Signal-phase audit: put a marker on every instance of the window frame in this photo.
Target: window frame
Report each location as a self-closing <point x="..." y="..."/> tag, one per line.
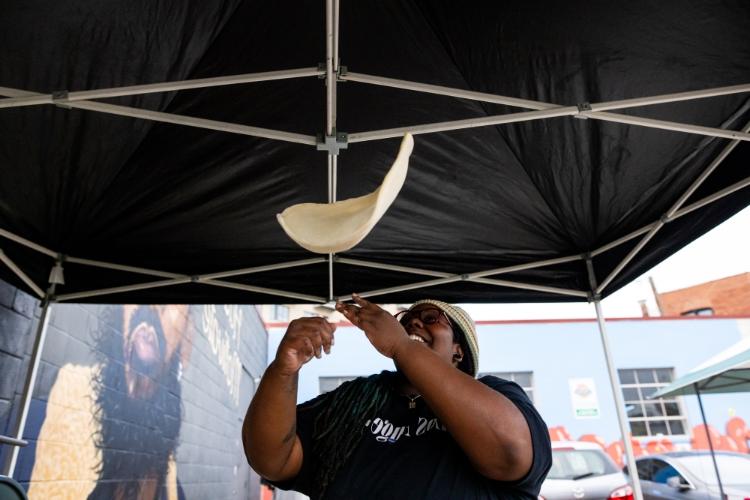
<point x="511" y="376"/>
<point x="340" y="378"/>
<point x="644" y="418"/>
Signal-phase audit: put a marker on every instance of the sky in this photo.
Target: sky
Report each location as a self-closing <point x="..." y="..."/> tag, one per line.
<point x="723" y="251"/>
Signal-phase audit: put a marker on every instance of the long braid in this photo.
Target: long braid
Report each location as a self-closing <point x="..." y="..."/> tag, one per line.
<point x="339" y="428"/>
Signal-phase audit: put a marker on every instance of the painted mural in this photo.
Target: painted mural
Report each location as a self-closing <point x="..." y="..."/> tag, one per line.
<point x="736" y="440"/>
<point x="120" y="414"/>
<point x="146" y="403"/>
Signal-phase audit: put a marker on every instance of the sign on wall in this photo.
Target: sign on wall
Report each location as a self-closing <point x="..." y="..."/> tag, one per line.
<point x="583" y="398"/>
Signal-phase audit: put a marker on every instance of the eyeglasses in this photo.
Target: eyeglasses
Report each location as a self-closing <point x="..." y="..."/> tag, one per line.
<point x="428" y="316"/>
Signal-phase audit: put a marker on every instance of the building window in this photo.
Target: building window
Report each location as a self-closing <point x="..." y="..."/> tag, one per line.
<point x="327" y="384"/>
<point x="280" y="313"/>
<point x="524" y="379"/>
<point x="651" y="417"/>
<point x="700" y="311"/>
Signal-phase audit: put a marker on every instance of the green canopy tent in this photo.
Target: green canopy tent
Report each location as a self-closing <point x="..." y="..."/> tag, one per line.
<point x="728" y="371"/>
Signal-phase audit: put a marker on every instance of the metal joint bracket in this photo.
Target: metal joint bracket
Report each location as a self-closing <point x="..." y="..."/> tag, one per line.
<point x="465" y="277"/>
<point x="56" y="274"/>
<point x="583" y="107"/>
<point x="665" y="219"/>
<point x="341" y="75"/>
<point x="322" y="67"/>
<point x="333" y="143"/>
<point x="195" y="279"/>
<point x="592" y="297"/>
<point x="59" y="97"/>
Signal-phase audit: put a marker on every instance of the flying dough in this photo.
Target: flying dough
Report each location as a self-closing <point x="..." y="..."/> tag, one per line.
<point x="336" y="227"/>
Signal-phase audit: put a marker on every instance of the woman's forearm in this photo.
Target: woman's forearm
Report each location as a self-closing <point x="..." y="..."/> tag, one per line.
<point x="269" y="431"/>
<point x="487" y="426"/>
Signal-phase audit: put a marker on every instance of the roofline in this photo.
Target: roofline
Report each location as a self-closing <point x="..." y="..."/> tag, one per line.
<point x="725" y="278"/>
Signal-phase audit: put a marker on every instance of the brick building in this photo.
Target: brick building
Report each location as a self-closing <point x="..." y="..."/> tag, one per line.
<point x="728" y="296"/>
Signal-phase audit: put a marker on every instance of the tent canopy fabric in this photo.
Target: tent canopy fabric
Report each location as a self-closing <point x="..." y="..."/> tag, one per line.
<point x="728" y="371"/>
<point x="82" y="183"/>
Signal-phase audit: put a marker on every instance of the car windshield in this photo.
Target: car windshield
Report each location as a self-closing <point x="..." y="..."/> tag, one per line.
<point x="578" y="464"/>
<point x="733" y="469"/>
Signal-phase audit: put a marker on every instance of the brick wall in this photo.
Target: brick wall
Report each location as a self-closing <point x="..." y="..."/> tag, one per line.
<point x="727" y="297"/>
<point x="17" y="321"/>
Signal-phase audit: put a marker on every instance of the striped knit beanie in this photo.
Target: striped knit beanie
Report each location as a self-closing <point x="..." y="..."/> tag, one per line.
<point x="468" y="337"/>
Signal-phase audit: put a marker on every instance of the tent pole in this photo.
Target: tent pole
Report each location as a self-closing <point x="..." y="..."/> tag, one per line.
<point x="27" y="243"/>
<point x="390" y="267"/>
<point x="172" y="282"/>
<point x="523" y="116"/>
<point x="31" y="374"/>
<point x="19" y="272"/>
<point x="622" y="419"/>
<point x="260" y="269"/>
<point x="679" y="213"/>
<point x="708" y="436"/>
<point x="667" y="125"/>
<point x="198" y="83"/>
<point x="332" y="67"/>
<point x="455" y="278"/>
<point x="188" y="121"/>
<point x="471" y="276"/>
<point x="675" y="206"/>
<point x="191" y="121"/>
<point x="269" y="291"/>
<point x="710" y="199"/>
<point x="121" y="289"/>
<point x="596" y="110"/>
<point x="201" y="277"/>
<point x="525" y="103"/>
<point x="28" y="387"/>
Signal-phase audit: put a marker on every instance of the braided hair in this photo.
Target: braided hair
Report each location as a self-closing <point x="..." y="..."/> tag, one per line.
<point x="339" y="428"/>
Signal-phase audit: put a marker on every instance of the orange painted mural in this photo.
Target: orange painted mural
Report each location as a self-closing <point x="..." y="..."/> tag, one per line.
<point x="736" y="439"/>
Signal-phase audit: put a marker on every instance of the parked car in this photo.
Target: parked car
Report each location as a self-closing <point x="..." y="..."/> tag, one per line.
<point x="582" y="470"/>
<point x="690" y="475"/>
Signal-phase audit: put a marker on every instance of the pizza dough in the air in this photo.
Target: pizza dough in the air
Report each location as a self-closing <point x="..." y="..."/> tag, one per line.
<point x="336" y="227"/>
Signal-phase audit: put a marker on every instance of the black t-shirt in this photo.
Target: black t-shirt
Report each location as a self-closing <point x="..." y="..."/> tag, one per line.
<point x="407" y="453"/>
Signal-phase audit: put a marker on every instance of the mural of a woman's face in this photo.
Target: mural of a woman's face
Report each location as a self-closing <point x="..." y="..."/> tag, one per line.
<point x="151" y="336"/>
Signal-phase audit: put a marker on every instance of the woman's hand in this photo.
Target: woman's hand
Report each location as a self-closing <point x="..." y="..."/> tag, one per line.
<point x="382" y="329"/>
<point x="305" y="338"/>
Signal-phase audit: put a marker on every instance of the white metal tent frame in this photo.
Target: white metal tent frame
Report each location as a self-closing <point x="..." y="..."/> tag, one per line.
<point x="333" y="72"/>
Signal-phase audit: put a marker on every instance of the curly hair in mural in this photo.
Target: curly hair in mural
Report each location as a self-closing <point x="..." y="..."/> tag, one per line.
<point x="138" y="406"/>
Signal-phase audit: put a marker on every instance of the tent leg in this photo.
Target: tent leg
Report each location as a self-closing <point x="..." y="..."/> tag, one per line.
<point x="28" y="389"/>
<point x="619" y="404"/>
<point x="708" y="436"/>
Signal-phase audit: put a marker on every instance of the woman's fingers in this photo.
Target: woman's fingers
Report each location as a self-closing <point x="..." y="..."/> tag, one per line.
<point x="361" y="302"/>
<point x="309" y="349"/>
<point x="313" y="336"/>
<point x="350" y="312"/>
<point x="325" y="331"/>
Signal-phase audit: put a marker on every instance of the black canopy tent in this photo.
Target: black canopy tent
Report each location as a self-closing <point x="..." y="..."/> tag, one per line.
<point x="561" y="149"/>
